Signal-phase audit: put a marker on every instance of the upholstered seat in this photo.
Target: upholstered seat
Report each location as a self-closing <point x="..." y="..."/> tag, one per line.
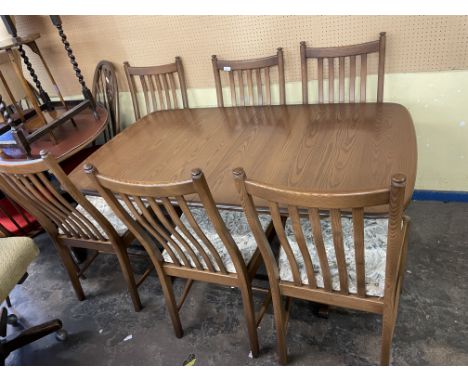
<point x="375" y="241"/>
<point x="101" y="205"/>
<point x="236" y="223"/>
<point x="16" y="253"/>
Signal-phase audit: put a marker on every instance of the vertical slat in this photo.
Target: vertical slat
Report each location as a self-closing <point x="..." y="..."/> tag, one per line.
<point x="172" y="230"/>
<point x="352" y="78"/>
<point x="145" y="93"/>
<point x="232" y="86"/>
<point x="250" y="87"/>
<point x="160" y="91"/>
<point x="305" y="95"/>
<point x="152" y="92"/>
<point x="175" y="218"/>
<point x="175" y="102"/>
<point x="267" y="86"/>
<point x="314" y="218"/>
<point x="217" y="77"/>
<point x="331" y="80"/>
<point x="341" y="66"/>
<point x="381" y="76"/>
<point x="240" y="80"/>
<point x="259" y="87"/>
<point x="281" y="80"/>
<point x="182" y="84"/>
<point x="358" y="227"/>
<point x="166" y="91"/>
<point x="363" y="77"/>
<point x="133" y="92"/>
<point x="156" y="230"/>
<point x="214" y="253"/>
<point x="299" y="234"/>
<point x="320" y="78"/>
<point x="335" y="216"/>
<point x="278" y="224"/>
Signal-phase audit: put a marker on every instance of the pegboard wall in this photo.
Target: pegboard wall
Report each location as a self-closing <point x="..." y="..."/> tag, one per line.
<point x="414" y="43"/>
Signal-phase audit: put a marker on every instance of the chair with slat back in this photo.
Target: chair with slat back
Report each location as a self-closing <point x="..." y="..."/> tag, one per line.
<point x="330" y="253"/>
<point x="83" y="222"/>
<point x="202" y="244"/>
<point x="244" y="72"/>
<point x="159" y="85"/>
<point x="347" y="57"/>
<point x="106" y="92"/>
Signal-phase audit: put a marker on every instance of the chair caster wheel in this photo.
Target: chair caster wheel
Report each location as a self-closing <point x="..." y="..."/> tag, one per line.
<point x="61" y="335"/>
<point x="12" y="320"/>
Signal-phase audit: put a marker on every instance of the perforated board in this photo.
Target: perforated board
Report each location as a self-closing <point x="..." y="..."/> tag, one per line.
<point x="414" y="43"/>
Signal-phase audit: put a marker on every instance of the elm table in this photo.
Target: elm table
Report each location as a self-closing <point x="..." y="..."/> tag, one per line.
<point x="327" y="147"/>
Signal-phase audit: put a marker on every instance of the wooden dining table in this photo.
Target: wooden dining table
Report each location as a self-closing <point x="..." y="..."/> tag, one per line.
<point x="325" y="148"/>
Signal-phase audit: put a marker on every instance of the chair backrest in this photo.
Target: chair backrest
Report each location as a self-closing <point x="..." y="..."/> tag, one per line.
<point x="347" y="57"/>
<point x="29" y="183"/>
<point x="309" y="207"/>
<point x="182" y="237"/>
<point x="106" y="92"/>
<point x="158" y="85"/>
<point x="244" y="71"/>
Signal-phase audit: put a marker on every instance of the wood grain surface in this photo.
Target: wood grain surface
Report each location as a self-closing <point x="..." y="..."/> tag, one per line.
<point x="324" y="148"/>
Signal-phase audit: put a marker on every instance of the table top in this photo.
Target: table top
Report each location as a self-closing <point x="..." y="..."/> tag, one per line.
<point x="325" y="148"/>
<point x="69" y="139"/>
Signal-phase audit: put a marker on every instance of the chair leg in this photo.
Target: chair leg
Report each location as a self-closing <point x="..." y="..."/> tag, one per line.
<point x="388" y="326"/>
<point x="26" y="337"/>
<point x="69" y="264"/>
<point x="249" y="314"/>
<point x="129" y="277"/>
<point x="171" y="304"/>
<point x="280" y="328"/>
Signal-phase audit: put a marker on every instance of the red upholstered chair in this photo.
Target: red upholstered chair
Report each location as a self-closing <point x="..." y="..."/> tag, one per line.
<point x="15" y="221"/>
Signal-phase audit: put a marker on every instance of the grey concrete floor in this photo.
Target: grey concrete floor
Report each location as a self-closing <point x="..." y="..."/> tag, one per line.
<point x="432" y="326"/>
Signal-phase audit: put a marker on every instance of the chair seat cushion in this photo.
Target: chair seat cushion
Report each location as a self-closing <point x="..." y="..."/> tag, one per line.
<point x="69" y="164"/>
<point x="236" y="223"/>
<point x="375" y="247"/>
<point x="101" y="205"/>
<point x="25" y="223"/>
<point x="16" y="253"/>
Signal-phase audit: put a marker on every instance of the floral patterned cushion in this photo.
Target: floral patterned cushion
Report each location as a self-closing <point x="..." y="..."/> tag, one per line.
<point x="236" y="223"/>
<point x="102" y="206"/>
<point x="375" y="247"/>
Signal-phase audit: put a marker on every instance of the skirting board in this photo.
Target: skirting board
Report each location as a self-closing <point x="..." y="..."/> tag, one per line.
<point x="441" y="196"/>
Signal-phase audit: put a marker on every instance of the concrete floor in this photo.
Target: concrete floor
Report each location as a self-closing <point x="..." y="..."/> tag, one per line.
<point x="432" y="326"/>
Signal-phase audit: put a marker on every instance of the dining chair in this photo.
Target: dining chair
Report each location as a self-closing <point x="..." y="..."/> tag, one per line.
<point x="330" y="252"/>
<point x="202" y="244"/>
<point x="106" y="92"/>
<point x="74" y="221"/>
<point x="159" y="85"/>
<point x="244" y="71"/>
<point x="347" y="57"/>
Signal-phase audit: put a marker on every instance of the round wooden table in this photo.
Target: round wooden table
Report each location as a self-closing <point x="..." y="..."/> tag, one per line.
<point x="325" y="148"/>
<point x="69" y="138"/>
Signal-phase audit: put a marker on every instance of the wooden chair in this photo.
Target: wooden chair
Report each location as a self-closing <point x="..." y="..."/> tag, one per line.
<point x="248" y="68"/>
<point x="199" y="245"/>
<point x="346" y="57"/>
<point x="83" y="222"/>
<point x="106" y="92"/>
<point x="350" y="262"/>
<point x="158" y="85"/>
